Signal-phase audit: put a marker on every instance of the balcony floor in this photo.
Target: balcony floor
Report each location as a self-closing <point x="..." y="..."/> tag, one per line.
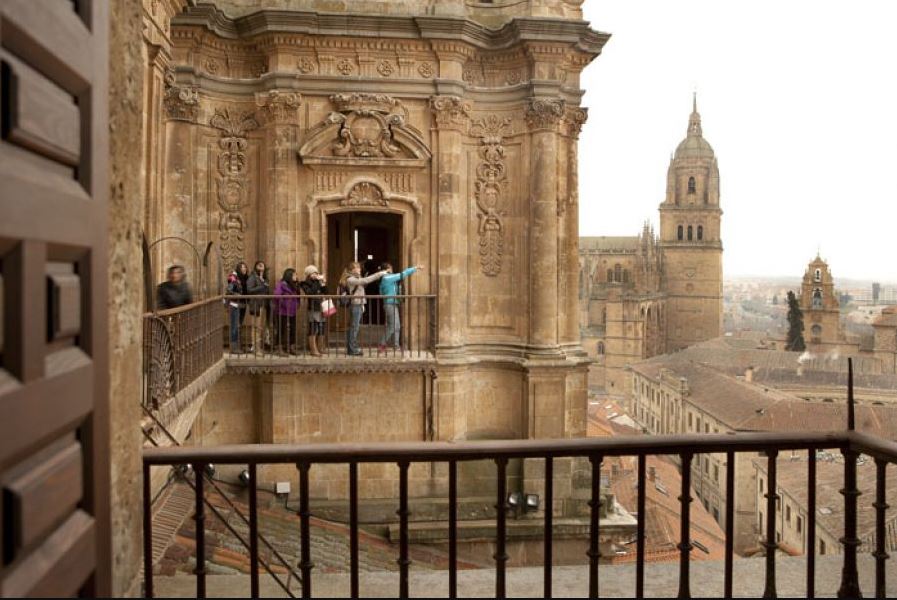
<point x="615" y="581"/>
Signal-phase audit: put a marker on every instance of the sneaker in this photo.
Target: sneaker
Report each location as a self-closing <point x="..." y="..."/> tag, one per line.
<point x="356" y="353"/>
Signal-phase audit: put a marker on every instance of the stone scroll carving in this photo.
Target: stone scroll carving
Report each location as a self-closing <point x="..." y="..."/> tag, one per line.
<point x="365" y="129"/>
<point x="451" y="112"/>
<point x="279" y="108"/>
<point x="232" y="181"/>
<point x="365" y="193"/>
<point x="544" y="113"/>
<point x="489" y="190"/>
<point x="181" y="101"/>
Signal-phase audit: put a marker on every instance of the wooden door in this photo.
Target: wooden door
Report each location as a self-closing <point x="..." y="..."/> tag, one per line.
<point x="54" y="431"/>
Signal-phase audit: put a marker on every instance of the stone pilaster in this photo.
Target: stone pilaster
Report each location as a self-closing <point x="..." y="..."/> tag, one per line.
<point x="279" y="219"/>
<point x="450" y="116"/>
<point x="543" y="116"/>
<point x="574" y="119"/>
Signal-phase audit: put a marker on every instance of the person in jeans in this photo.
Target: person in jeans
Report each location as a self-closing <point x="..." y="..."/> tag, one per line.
<point x="258" y="285"/>
<point x="389" y="286"/>
<point x="314" y="284"/>
<point x="354" y="283"/>
<point x="236" y="286"/>
<point x="285" y="311"/>
<point x="175" y="291"/>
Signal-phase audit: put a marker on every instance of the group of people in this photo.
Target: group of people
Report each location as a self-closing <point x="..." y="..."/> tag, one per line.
<point x="283" y="310"/>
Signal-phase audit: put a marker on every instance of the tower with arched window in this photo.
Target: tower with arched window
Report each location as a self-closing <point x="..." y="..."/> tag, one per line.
<point x="690" y="241"/>
<point x="821" y="308"/>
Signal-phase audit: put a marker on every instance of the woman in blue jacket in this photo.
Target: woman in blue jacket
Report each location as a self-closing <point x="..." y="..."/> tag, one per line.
<point x="389" y="286"/>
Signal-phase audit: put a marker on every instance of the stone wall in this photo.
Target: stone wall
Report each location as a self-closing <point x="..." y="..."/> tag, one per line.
<point x="127" y="61"/>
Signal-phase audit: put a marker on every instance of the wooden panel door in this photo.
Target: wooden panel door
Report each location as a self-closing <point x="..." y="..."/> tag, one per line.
<point x="54" y="431"/>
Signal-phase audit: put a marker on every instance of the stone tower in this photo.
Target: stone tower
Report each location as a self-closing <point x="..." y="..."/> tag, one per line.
<point x="819" y="303"/>
<point x="690" y="239"/>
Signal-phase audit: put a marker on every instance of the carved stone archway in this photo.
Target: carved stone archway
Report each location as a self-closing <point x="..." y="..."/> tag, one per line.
<point x="363" y="193"/>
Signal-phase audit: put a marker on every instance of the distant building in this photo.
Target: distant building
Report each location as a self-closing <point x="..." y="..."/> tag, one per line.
<point x="644" y="295"/>
<point x="821" y="308"/>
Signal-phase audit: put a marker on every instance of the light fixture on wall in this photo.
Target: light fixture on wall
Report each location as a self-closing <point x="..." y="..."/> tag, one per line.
<point x="185" y="469"/>
<point x="531" y="503"/>
<point x="244" y="477"/>
<point x="210" y="470"/>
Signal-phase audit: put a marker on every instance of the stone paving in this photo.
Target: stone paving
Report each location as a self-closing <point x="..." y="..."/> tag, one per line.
<point x="616" y="581"/>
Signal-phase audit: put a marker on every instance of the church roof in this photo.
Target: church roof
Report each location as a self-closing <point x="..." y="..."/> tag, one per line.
<point x="694" y="145"/>
<point x="888" y="317"/>
<point x="609" y="243"/>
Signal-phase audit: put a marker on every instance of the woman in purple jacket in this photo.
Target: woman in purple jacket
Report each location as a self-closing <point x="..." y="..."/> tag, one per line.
<point x="285" y="310"/>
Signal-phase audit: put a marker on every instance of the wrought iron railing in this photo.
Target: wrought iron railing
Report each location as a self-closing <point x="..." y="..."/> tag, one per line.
<point x="685" y="447"/>
<point x="180" y="344"/>
<point x="281" y="326"/>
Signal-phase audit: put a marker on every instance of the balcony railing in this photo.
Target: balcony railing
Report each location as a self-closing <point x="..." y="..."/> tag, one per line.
<point x="293" y="326"/>
<point x="180" y="344"/>
<point x="686" y="448"/>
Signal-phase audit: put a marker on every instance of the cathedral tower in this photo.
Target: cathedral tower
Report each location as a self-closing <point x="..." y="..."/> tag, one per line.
<point x="690" y="240"/>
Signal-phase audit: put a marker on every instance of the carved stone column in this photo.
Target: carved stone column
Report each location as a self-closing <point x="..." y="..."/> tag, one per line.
<point x="574" y="119"/>
<point x="451" y="115"/>
<point x="543" y="116"/>
<point x="278" y="216"/>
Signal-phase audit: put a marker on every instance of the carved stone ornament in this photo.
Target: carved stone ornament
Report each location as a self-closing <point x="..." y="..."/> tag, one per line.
<point x="365" y="193"/>
<point x="489" y="189"/>
<point x="345" y="66"/>
<point x="365" y="128"/>
<point x="426" y="70"/>
<point x="544" y="113"/>
<point x="279" y="107"/>
<point x="450" y="111"/>
<point x="306" y="65"/>
<point x="385" y="68"/>
<point x="576" y="118"/>
<point x="232" y="181"/>
<point x="181" y="102"/>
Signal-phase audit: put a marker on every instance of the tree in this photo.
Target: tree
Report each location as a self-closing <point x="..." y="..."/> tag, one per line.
<point x="775" y="299"/>
<point x="795" y="339"/>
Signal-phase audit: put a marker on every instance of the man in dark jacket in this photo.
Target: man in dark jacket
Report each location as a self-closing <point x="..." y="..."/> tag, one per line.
<point x="174" y="292"/>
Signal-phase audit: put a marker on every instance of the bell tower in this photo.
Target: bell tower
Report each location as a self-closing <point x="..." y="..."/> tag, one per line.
<point x="690" y="240"/>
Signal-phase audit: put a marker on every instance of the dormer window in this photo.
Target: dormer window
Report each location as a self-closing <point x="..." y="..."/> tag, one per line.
<point x="691" y="185"/>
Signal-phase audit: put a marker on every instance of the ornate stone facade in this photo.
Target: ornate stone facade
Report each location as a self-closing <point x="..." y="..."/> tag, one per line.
<point x="454" y="128"/>
<point x="646" y="295"/>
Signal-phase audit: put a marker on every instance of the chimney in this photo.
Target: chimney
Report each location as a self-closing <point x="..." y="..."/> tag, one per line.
<point x="652" y="473"/>
<point x="749" y="374"/>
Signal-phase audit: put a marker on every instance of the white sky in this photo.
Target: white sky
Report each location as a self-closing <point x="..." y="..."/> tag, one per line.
<point x="798" y="99"/>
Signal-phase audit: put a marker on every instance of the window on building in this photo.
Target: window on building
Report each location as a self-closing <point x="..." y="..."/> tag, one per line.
<point x="821" y="547"/>
<point x="779" y="536"/>
<point x="816" y="330"/>
<point x="689" y="421"/>
<point x="817" y="276"/>
<point x="706" y="505"/>
<point x="788" y="514"/>
<point x="760" y="526"/>
<point x="610" y="275"/>
<point x="706" y="427"/>
<point x="691" y="185"/>
<point x="817" y="298"/>
<point x="679" y="233"/>
<point x="716" y="473"/>
<point x="716" y="514"/>
<point x="800" y="524"/>
<point x="761" y="485"/>
<point x="700" y="232"/>
<point x="618" y="273"/>
<point x="600" y="348"/>
<point x="625" y="275"/>
<point x="690" y="233"/>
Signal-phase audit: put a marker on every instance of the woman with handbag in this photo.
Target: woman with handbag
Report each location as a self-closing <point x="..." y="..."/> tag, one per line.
<point x="257" y="285"/>
<point x="314" y="284"/>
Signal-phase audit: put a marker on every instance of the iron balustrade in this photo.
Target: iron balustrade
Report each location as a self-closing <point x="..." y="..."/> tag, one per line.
<point x="686" y="447"/>
<point x="274" y="333"/>
<point x="180" y="344"/>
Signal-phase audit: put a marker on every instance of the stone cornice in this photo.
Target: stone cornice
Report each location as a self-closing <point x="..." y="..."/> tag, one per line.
<point x="574" y="33"/>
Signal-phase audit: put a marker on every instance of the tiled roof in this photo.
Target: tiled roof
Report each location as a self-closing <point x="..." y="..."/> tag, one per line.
<point x="791" y="476"/>
<point x="609" y="243"/>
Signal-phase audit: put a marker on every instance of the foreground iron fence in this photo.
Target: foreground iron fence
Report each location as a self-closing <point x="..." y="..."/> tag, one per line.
<point x="180" y="344"/>
<point x="280" y="326"/>
<point x="685" y="447"/>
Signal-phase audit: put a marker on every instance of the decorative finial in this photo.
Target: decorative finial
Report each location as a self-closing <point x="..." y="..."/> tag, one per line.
<point x="694" y="100"/>
<point x="694" y="121"/>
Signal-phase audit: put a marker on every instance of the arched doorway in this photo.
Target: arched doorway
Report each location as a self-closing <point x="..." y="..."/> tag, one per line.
<point x="370" y="238"/>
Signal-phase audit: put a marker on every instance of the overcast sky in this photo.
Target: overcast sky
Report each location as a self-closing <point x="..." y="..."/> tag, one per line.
<point x="798" y="99"/>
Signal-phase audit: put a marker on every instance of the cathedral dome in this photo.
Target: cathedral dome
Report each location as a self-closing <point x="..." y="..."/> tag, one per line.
<point x="694" y="145"/>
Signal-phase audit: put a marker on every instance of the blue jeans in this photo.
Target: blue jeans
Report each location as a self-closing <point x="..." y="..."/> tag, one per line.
<point x="393" y="325"/>
<point x="236" y="319"/>
<point x="355" y="312"/>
